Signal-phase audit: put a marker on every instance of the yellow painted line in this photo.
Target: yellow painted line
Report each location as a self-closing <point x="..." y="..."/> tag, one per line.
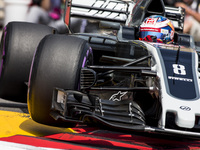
<point x="14" y="123"/>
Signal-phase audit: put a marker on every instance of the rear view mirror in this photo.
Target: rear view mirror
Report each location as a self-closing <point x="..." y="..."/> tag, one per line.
<point x="109" y="25"/>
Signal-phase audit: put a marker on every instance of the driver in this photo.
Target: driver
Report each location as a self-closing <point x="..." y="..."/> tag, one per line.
<point x="157" y="29"/>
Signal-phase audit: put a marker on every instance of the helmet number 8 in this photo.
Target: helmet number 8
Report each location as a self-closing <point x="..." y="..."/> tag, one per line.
<point x="179" y="69"/>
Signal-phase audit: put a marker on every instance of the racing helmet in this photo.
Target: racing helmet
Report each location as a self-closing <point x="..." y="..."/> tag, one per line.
<point x="157" y="28"/>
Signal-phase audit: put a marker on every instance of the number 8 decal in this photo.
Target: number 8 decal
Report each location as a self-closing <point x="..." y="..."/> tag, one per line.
<point x="179" y="69"/>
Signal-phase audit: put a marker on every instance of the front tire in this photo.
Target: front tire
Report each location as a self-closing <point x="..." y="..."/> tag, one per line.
<point x="57" y="63"/>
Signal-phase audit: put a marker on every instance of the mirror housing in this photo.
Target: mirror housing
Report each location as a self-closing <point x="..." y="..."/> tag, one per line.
<point x="109" y="25"/>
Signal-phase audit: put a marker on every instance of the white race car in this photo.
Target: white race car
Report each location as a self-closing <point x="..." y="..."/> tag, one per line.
<point x="111" y="80"/>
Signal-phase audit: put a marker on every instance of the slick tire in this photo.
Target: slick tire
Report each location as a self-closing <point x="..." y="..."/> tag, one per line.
<point x="18" y="44"/>
<point x="57" y="64"/>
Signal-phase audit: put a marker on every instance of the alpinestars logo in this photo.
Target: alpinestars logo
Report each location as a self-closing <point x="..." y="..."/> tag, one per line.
<point x="118" y="96"/>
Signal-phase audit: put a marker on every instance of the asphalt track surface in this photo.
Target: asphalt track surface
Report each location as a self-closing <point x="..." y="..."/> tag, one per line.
<point x="19" y="132"/>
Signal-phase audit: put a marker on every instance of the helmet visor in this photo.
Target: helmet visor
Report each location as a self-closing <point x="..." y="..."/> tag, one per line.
<point x="143" y="34"/>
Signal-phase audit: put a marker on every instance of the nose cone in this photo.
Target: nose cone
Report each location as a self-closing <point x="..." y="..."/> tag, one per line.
<point x="185" y="118"/>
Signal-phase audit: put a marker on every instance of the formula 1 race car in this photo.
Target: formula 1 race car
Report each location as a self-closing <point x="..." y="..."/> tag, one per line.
<point x="114" y="79"/>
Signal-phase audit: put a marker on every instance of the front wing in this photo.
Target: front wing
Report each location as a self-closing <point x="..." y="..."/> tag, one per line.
<point x="66" y="105"/>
